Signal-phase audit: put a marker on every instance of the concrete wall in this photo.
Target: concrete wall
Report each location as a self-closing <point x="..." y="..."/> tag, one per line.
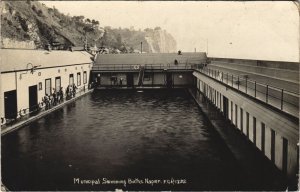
<point x="259" y="63"/>
<point x="22" y="80"/>
<point x="259" y="116"/>
<point x="13" y="44"/>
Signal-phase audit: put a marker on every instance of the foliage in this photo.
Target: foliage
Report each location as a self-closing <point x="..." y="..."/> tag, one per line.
<point x="31" y="20"/>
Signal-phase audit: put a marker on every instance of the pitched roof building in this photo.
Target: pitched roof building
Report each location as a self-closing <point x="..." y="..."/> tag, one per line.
<point x="28" y="75"/>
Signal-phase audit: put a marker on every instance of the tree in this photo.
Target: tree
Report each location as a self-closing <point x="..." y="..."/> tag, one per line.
<point x="33" y="8"/>
<point x="40" y="13"/>
<point x="50" y="10"/>
<point x="119" y="41"/>
<point x="131" y="50"/>
<point x="95" y="23"/>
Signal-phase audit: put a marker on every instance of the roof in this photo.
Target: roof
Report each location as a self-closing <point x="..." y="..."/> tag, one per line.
<point x="149" y="58"/>
<point x="16" y="59"/>
<point x="81" y="48"/>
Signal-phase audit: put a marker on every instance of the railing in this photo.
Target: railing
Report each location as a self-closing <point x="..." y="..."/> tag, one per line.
<point x="124" y="67"/>
<point x="26" y="113"/>
<point x="280" y="98"/>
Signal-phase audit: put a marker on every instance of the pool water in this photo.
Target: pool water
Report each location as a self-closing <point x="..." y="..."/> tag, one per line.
<point x="129" y="140"/>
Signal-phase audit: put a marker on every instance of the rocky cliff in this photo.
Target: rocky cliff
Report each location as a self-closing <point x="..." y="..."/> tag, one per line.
<point x="40" y="26"/>
<point x="159" y="41"/>
<point x="153" y="40"/>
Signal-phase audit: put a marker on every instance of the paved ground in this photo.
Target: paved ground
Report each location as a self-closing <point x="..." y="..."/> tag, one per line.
<point x="288" y="107"/>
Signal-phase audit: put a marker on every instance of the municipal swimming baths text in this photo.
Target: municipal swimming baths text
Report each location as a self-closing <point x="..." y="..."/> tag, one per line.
<point x="129" y="181"/>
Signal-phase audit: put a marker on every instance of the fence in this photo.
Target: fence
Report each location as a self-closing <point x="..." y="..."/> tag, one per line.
<point x="129" y="67"/>
<point x="284" y="100"/>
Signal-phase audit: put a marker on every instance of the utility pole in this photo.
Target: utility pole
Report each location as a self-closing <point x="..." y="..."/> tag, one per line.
<point x="85" y="43"/>
<point x="207" y="47"/>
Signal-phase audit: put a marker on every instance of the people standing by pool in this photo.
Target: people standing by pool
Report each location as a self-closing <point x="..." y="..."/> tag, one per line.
<point x="74" y="90"/>
<point x="54" y="98"/>
<point x="68" y="92"/>
<point x="57" y="97"/>
<point x="61" y="95"/>
<point x="46" y="100"/>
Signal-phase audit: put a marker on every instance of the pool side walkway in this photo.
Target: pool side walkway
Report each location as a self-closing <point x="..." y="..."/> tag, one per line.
<point x="291" y="109"/>
<point x="23" y="122"/>
<point x="254" y="164"/>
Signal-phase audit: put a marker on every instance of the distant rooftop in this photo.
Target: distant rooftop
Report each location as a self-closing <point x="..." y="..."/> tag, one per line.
<point x="16" y="59"/>
<point x="150" y="58"/>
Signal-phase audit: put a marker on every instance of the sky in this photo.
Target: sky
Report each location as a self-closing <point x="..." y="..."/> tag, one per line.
<point x="246" y="30"/>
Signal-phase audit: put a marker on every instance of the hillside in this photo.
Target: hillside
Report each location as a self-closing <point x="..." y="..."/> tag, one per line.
<point x="40" y="25"/>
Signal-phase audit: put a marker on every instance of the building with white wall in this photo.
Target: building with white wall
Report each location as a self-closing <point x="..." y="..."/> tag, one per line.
<point x="272" y="129"/>
<point x="28" y="75"/>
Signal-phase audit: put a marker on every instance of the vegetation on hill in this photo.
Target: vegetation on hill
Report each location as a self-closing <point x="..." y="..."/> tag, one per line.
<point x="33" y="21"/>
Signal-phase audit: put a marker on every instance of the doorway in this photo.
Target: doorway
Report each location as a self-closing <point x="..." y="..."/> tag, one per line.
<point x="10" y="104"/>
<point x="285" y="155"/>
<point x="169" y="80"/>
<point x="33" y="98"/>
<point x="71" y="79"/>
<point x="98" y="80"/>
<point x="57" y="84"/>
<point x="129" y="78"/>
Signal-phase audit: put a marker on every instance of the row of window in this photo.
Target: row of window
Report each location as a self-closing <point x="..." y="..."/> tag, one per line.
<point x="215" y="96"/>
<point x="48" y="83"/>
<point x="263" y="128"/>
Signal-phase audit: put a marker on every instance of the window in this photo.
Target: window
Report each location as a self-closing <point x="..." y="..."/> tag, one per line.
<point x="57" y="84"/>
<point x="217" y="98"/>
<point x="285" y="155"/>
<point x="48" y="86"/>
<point x="220" y="99"/>
<point x="272" y="145"/>
<point x="241" y="114"/>
<point x="247" y="124"/>
<point x="40" y="86"/>
<point x="263" y="127"/>
<point x="231" y="109"/>
<point x="84" y="77"/>
<point x="254" y="130"/>
<point x="147" y="77"/>
<point x="71" y="79"/>
<point x="236" y="115"/>
<point x="215" y="101"/>
<point x="78" y="79"/>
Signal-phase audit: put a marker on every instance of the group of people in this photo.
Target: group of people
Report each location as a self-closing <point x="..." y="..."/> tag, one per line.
<point x="71" y="91"/>
<point x="53" y="99"/>
<point x="57" y="97"/>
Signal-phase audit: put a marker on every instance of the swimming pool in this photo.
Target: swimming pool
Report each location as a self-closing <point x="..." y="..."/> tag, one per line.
<point x="107" y="140"/>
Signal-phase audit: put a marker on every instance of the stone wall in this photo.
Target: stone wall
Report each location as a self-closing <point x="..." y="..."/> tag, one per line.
<point x="13" y="44"/>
